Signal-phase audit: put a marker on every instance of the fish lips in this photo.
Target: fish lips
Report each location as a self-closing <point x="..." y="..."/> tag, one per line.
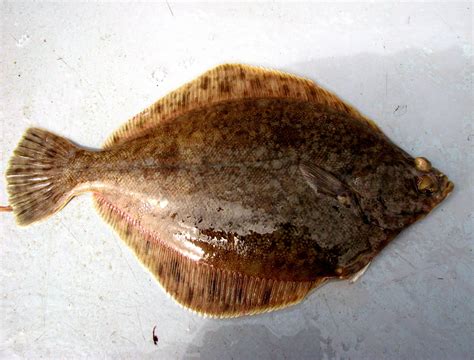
<point x="445" y="187"/>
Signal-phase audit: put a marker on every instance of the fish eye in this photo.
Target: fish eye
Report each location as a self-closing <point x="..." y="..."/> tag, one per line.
<point x="426" y="185"/>
<point x="422" y="164"/>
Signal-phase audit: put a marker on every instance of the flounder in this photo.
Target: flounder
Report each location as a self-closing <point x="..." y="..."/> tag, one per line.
<point x="241" y="191"/>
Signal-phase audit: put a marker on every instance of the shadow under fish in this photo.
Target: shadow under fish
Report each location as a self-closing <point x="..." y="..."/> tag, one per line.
<point x="241" y="191"/>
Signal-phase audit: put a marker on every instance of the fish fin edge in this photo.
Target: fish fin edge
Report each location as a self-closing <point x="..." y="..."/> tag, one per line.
<point x="230" y="82"/>
<point x="39" y="178"/>
<point x="199" y="287"/>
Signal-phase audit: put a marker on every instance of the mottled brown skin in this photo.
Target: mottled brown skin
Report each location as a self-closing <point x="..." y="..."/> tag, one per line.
<point x="240" y="191"/>
<point x="247" y="155"/>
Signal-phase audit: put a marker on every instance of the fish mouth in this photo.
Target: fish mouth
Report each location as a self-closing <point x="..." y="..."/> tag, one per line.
<point x="447" y="187"/>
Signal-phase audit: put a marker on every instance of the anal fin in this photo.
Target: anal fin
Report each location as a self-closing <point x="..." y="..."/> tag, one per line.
<point x="198" y="286"/>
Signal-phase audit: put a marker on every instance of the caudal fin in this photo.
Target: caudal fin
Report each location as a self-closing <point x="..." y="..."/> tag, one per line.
<point x="39" y="181"/>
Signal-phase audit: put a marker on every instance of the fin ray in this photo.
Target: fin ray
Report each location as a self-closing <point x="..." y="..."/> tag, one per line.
<point x="37" y="180"/>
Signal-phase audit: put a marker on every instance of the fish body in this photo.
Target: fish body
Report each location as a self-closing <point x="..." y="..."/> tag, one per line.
<point x="241" y="191"/>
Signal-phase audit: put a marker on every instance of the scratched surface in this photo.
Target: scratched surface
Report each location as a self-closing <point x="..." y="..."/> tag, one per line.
<point x="70" y="288"/>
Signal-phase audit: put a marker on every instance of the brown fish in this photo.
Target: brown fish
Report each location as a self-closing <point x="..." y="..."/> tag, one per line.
<point x="241" y="191"/>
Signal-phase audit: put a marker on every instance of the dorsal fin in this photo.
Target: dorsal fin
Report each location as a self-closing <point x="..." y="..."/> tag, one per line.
<point x="230" y="82"/>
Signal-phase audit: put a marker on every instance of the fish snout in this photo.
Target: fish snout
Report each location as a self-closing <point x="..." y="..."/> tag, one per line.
<point x="446" y="186"/>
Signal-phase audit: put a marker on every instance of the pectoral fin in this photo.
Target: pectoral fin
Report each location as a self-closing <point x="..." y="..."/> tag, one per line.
<point x="322" y="181"/>
<point x="325" y="183"/>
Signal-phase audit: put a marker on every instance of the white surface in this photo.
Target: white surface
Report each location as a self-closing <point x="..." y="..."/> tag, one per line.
<point x="70" y="288"/>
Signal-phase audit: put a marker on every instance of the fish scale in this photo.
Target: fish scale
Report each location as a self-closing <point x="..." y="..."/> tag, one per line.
<point x="241" y="191"/>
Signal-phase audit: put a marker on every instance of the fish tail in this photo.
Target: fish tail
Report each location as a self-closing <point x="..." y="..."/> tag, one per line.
<point x="39" y="177"/>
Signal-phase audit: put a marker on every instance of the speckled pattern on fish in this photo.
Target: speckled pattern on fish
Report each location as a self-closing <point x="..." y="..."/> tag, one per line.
<point x="241" y="191"/>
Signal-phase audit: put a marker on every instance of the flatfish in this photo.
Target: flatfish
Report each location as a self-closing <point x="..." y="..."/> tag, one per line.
<point x="241" y="191"/>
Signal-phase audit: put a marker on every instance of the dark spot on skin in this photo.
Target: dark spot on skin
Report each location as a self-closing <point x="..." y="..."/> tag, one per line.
<point x="176" y="271"/>
<point x="159" y="270"/>
<point x="189" y="297"/>
<point x="147" y="247"/>
<point x="15" y="170"/>
<point x="346" y="108"/>
<point x="266" y="296"/>
<point x="255" y="83"/>
<point x="213" y="287"/>
<point x="173" y="215"/>
<point x="279" y="263"/>
<point x="177" y="275"/>
<point x="184" y="99"/>
<point x="302" y="255"/>
<point x="219" y="209"/>
<point x="149" y="173"/>
<point x="382" y="202"/>
<point x="240" y="293"/>
<point x="224" y="86"/>
<point x="242" y="133"/>
<point x="205" y="83"/>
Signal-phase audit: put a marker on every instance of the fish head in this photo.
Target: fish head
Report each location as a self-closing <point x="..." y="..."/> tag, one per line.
<point x="403" y="192"/>
<point x="431" y="184"/>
